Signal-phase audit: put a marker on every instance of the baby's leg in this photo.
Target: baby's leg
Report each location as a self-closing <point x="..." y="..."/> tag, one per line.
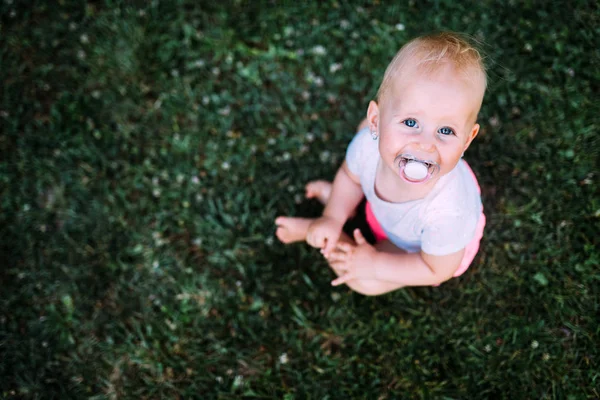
<point x="320" y="190"/>
<point x="291" y="229"/>
<point x="294" y="230"/>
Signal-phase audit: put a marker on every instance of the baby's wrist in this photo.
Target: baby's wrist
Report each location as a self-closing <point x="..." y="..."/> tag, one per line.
<point x="337" y="217"/>
<point x="332" y="220"/>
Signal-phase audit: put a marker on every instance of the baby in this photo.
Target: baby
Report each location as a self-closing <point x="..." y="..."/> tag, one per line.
<point x="423" y="201"/>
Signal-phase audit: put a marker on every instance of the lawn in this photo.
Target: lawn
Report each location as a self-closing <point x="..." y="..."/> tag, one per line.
<point x="147" y="146"/>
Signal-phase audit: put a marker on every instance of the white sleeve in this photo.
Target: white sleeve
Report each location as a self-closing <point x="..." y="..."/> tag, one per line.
<point x="355" y="153"/>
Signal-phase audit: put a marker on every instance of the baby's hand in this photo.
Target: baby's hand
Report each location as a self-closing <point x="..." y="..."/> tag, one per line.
<point x="324" y="233"/>
<point x="354" y="260"/>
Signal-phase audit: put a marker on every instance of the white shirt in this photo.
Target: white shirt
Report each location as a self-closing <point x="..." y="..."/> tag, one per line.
<point x="441" y="223"/>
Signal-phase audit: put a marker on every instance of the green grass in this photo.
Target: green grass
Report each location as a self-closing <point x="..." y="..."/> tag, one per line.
<point x="146" y="147"/>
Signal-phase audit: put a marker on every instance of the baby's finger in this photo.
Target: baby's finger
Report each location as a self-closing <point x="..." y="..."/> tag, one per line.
<point x="342" y="279"/>
<point x="344" y="246"/>
<point x="340" y="267"/>
<point x="319" y="239"/>
<point x="329" y="246"/>
<point x="337" y="256"/>
<point x="358" y="236"/>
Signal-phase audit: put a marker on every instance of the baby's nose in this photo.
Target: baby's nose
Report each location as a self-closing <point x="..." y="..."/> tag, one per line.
<point x="426" y="145"/>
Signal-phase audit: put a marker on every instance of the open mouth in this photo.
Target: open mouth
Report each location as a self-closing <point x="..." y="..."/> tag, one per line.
<point x="415" y="170"/>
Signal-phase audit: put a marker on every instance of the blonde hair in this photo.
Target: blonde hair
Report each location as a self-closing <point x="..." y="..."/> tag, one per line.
<point x="429" y="53"/>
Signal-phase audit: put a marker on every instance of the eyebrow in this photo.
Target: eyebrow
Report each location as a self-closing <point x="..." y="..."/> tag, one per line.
<point x="397" y="113"/>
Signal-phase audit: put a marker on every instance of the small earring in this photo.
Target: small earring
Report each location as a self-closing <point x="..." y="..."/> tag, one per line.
<point x="462" y="155"/>
<point x="374" y="135"/>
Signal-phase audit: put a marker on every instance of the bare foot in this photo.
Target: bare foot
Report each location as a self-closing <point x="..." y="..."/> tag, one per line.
<point x="290" y="229"/>
<point x="319" y="190"/>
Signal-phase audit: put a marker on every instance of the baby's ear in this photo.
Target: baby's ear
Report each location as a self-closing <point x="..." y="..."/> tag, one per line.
<point x="373" y="116"/>
<point x="472" y="136"/>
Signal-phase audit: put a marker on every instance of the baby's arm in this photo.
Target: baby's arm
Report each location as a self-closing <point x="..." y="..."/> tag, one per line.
<point x="346" y="193"/>
<point x="382" y="271"/>
<point x="416" y="269"/>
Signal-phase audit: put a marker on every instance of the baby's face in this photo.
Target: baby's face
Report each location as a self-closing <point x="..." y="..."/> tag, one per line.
<point x="431" y="117"/>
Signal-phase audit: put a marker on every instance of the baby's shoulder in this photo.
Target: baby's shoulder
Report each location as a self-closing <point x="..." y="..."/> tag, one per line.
<point x="361" y="150"/>
<point x="363" y="136"/>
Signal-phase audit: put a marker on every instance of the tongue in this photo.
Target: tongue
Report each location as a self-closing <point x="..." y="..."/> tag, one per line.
<point x="415" y="170"/>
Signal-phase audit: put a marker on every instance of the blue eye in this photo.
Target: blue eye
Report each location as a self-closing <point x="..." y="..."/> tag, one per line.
<point x="446" y="131"/>
<point x="411" y="123"/>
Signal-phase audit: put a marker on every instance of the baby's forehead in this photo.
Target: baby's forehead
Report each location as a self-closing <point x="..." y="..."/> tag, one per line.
<point x="471" y="91"/>
<point x="440" y="71"/>
<point x="443" y="75"/>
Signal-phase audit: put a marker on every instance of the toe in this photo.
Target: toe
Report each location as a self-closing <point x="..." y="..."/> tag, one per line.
<point x="309" y="191"/>
<point x="281" y="234"/>
<point x="279" y="221"/>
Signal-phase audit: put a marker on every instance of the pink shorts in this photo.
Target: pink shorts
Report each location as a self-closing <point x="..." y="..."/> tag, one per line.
<point x="470" y="250"/>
